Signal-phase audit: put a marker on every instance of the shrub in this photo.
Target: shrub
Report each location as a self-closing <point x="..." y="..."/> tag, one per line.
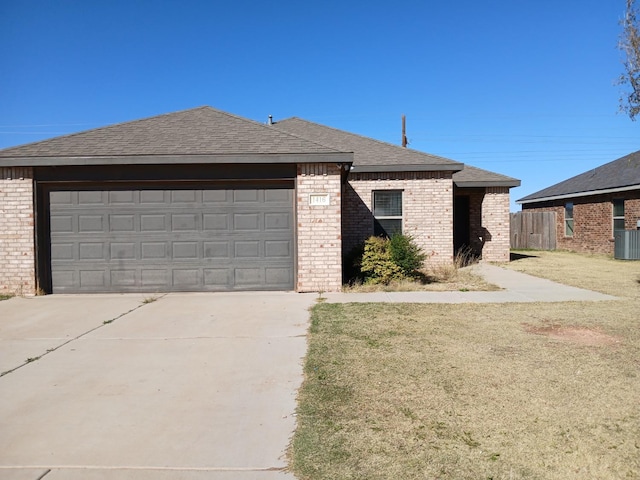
<point x="377" y="264"/>
<point x="406" y="254"/>
<point x="385" y="260"/>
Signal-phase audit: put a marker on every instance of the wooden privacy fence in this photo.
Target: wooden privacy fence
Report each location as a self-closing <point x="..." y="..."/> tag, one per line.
<point x="534" y="230"/>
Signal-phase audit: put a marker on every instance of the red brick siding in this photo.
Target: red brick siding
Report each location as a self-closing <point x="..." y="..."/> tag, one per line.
<point x="17" y="250"/>
<point x="592" y="219"/>
<point x="631" y="213"/>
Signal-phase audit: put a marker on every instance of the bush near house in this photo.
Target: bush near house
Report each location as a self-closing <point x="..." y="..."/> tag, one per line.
<point x="387" y="259"/>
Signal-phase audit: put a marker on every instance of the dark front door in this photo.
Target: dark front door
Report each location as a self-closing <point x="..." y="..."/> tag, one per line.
<point x="460" y="222"/>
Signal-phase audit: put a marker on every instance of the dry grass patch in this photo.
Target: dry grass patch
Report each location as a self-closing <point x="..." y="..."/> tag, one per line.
<point x="441" y="279"/>
<point x="510" y="391"/>
<point x="600" y="273"/>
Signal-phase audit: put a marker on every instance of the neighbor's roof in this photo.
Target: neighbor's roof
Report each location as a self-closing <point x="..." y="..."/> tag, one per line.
<point x="198" y="135"/>
<point x="617" y="176"/>
<point x="369" y="155"/>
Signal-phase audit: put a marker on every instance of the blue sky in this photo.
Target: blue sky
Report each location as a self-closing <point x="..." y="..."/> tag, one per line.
<point x="522" y="88"/>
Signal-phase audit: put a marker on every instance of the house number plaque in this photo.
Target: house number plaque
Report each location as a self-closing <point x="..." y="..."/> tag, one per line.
<point x="318" y="199"/>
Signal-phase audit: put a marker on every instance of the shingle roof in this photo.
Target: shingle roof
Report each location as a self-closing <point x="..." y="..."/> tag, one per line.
<point x="198" y="131"/>
<point x="369" y="154"/>
<point x="373" y="155"/>
<point x="477" y="177"/>
<point x="621" y="174"/>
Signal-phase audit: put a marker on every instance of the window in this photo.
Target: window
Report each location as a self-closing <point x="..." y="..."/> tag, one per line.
<point x="618" y="214"/>
<point x="387" y="212"/>
<point x="568" y="219"/>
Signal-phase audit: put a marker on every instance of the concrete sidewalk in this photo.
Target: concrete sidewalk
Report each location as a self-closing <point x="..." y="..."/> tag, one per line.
<point x="516" y="287"/>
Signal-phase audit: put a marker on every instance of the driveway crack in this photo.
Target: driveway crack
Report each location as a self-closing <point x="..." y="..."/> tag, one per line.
<point x="104" y="323"/>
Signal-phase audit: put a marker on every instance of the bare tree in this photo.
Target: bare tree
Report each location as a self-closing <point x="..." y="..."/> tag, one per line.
<point x="630" y="46"/>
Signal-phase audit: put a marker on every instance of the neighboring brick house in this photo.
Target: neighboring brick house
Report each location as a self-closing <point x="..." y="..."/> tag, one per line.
<point x="591" y="206"/>
<point x="201" y="200"/>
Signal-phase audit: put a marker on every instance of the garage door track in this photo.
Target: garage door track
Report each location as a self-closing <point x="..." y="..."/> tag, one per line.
<point x="177" y="386"/>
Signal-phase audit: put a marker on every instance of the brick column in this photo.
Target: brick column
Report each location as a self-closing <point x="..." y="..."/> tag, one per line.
<point x="319" y="234"/>
<point x="17" y="250"/>
<point x="495" y="225"/>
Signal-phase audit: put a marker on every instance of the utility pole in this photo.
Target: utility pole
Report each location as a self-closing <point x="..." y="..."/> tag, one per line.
<point x="404" y="131"/>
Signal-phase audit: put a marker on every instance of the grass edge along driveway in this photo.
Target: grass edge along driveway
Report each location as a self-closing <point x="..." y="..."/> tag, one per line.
<point x="476" y="391"/>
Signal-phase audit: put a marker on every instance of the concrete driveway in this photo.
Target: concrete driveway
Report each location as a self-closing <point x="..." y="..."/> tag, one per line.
<point x="188" y="386"/>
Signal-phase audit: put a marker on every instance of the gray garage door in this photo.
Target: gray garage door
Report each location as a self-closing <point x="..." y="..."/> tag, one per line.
<point x="156" y="240"/>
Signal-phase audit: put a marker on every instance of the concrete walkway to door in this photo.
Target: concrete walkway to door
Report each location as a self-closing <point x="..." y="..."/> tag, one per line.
<point x="188" y="386"/>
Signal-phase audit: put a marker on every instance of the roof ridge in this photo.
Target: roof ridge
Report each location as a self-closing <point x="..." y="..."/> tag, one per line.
<point x="138" y="121"/>
<point x="305" y="138"/>
<point x="106" y="127"/>
<point x="578" y="183"/>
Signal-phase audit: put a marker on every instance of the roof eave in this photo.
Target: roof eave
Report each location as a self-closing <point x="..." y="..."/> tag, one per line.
<point x="449" y="167"/>
<point x="488" y="183"/>
<point x="589" y="193"/>
<point x="49" y="161"/>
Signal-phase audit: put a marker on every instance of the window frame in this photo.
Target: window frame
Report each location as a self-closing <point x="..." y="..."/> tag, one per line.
<point x="619" y="218"/>
<point x="378" y="229"/>
<point x="569" y="220"/>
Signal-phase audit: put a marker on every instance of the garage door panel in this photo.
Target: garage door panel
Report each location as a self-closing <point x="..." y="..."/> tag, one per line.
<point x="185" y="222"/>
<point x="91" y="251"/>
<point x="246" y="222"/>
<point x="171" y="240"/>
<point x="61" y="198"/>
<point x="244" y="196"/>
<point x="179" y="197"/>
<point x="92" y="198"/>
<point x="153" y="222"/>
<point x="215" y="197"/>
<point x="277" y="221"/>
<point x="93" y="278"/>
<point x="123" y="278"/>
<point x="153" y="278"/>
<point x="216" y="222"/>
<point x="278" y="248"/>
<point x="153" y="197"/>
<point x="153" y="250"/>
<point x="186" y="277"/>
<point x="62" y="224"/>
<point x="63" y="251"/>
<point x="91" y="223"/>
<point x="64" y="278"/>
<point x="217" y="277"/>
<point x="122" y="197"/>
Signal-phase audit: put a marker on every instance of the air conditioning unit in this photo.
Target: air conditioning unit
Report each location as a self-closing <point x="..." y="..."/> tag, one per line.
<point x="627" y="245"/>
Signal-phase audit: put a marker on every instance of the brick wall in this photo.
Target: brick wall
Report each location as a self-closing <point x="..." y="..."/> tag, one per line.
<point x="17" y="254"/>
<point x="319" y="233"/>
<point x="632" y="213"/>
<point x="495" y="237"/>
<point x="592" y="219"/>
<point x="427" y="209"/>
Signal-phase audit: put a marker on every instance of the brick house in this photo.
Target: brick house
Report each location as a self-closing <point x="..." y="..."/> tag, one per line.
<point x="202" y="200"/>
<point x="591" y="206"/>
